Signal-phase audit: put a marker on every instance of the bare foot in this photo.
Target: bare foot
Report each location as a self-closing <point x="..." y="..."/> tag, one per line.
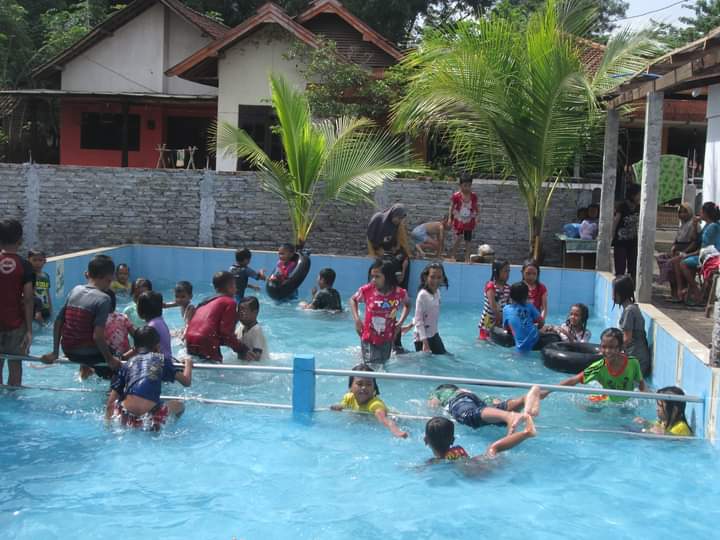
<point x="532" y="401"/>
<point x="530" y="427"/>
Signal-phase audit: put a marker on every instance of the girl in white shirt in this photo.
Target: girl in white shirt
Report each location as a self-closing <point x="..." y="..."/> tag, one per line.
<point x="427" y="310"/>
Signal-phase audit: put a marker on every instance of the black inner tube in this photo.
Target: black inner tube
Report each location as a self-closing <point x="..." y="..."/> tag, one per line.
<point x="279" y="291"/>
<point x="570" y="357"/>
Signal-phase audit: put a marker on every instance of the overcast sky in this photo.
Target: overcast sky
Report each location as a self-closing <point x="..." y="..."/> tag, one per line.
<point x="669" y="15"/>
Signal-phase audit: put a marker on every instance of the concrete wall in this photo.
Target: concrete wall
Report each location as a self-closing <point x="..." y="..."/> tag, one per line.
<point x="85" y="207"/>
<point x="243" y="74"/>
<point x="135" y="57"/>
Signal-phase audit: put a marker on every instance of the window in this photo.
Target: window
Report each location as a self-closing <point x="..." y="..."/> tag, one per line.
<point x="103" y="131"/>
<point x="258" y="121"/>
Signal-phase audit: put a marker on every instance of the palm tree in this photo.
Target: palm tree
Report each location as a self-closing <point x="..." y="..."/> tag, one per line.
<point x="341" y="159"/>
<point x="518" y="101"/>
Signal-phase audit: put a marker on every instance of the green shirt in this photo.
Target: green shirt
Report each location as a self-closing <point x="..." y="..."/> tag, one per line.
<point x="42" y="288"/>
<point x="624" y="379"/>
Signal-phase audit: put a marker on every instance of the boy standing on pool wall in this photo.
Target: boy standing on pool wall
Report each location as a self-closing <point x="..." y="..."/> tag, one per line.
<point x="214" y="323"/>
<point x="80" y="325"/>
<point x="17" y="299"/>
<point x="463" y="212"/>
<point x="135" y="391"/>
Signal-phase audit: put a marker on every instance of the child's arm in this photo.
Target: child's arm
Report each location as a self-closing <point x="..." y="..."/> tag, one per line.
<point x="99" y="339"/>
<point x="420" y="308"/>
<point x="403" y="315"/>
<point x="337" y="407"/>
<point x="226" y="329"/>
<point x="388" y="423"/>
<point x="167" y="305"/>
<point x="512" y="440"/>
<point x="627" y="337"/>
<point x="571" y="381"/>
<point x="185" y="378"/>
<point x="110" y="405"/>
<point x="189" y="312"/>
<point x="493" y="304"/>
<point x="356" y="315"/>
<point x="544" y="309"/>
<point x="642" y="386"/>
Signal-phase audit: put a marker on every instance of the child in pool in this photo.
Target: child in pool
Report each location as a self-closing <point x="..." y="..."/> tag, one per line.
<point x="671" y="416"/>
<point x="150" y="309"/>
<point x="632" y="322"/>
<point x="43" y="302"/>
<point x="121" y="285"/>
<point x="183" y="300"/>
<point x="574" y="329"/>
<point x="616" y="370"/>
<point x="382" y="298"/>
<point x="497" y="296"/>
<point x="135" y="392"/>
<point x="468" y="409"/>
<point x="430" y="236"/>
<point x="287" y="261"/>
<point x="520" y="318"/>
<point x="440" y="437"/>
<point x="242" y="272"/>
<point x="250" y="332"/>
<point x="427" y="310"/>
<point x="140" y="286"/>
<point x="463" y="211"/>
<point x="363" y="397"/>
<point x="537" y="292"/>
<point x="325" y="297"/>
<point x="118" y="328"/>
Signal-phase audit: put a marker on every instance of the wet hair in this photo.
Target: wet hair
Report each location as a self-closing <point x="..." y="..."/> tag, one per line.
<point x="440" y="433"/>
<point x="534" y="264"/>
<point x="252" y="302"/>
<point x="519" y="292"/>
<point x="243" y="254"/>
<point x="364" y="367"/>
<point x="465" y="178"/>
<point x="146" y="337"/>
<point x="387" y="268"/>
<point x="426" y="272"/>
<point x="221" y="280"/>
<point x="290" y="247"/>
<point x="584" y="315"/>
<point x="497" y="267"/>
<point x="183" y="287"/>
<point x="328" y="276"/>
<point x="113" y="299"/>
<point x="614" y="333"/>
<point x="141" y="283"/>
<point x="150" y="305"/>
<point x="674" y="410"/>
<point x="100" y="266"/>
<point x="36" y="253"/>
<point x="11" y="231"/>
<point x="120" y="266"/>
<point x="711" y="210"/>
<point x="631" y="191"/>
<point x="623" y="289"/>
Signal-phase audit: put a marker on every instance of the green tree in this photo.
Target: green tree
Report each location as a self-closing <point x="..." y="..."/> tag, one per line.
<point x="325" y="160"/>
<point x="705" y="18"/>
<point x="15" y="44"/>
<point x="517" y="103"/>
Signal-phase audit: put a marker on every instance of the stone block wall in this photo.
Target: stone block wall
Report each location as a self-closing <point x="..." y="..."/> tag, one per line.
<point x="68" y="208"/>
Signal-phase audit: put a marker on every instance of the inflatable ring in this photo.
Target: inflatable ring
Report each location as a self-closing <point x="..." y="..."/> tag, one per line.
<point x="502" y="337"/>
<point x="280" y="291"/>
<point x="570" y="357"/>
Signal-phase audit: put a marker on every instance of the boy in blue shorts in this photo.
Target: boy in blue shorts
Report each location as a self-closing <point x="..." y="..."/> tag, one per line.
<point x="520" y="317"/>
<point x="135" y="391"/>
<point x="468" y="409"/>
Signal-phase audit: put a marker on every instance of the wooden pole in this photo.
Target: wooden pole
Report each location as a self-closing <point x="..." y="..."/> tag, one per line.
<point x="649" y="195"/>
<point x="607" y="197"/>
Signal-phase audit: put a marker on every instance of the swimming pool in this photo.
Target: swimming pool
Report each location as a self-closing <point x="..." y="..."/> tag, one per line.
<point x="236" y="472"/>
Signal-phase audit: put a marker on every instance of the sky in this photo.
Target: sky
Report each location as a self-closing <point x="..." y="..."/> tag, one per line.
<point x="669" y="15"/>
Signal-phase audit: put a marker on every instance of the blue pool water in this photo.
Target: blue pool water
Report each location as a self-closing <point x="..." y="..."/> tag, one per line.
<point x="230" y="472"/>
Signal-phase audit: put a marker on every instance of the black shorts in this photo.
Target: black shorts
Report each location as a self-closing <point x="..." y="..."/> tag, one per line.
<point x="467" y="235"/>
<point x="467" y="409"/>
<point x="92" y="360"/>
<point x="436" y="345"/>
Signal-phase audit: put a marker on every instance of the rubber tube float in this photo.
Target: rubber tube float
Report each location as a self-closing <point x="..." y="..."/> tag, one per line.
<point x="570" y="357"/>
<point x="281" y="290"/>
<point x="502" y="337"/>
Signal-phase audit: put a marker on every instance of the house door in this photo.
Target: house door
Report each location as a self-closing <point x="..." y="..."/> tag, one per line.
<point x="258" y="121"/>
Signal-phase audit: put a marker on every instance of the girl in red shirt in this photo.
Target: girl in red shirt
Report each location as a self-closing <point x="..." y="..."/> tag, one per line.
<point x="538" y="293"/>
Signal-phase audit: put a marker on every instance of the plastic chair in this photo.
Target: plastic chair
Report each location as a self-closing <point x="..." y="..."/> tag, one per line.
<point x="673" y="177"/>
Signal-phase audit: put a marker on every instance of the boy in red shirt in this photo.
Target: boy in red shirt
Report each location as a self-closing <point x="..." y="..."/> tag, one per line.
<point x="17" y="299"/>
<point x="463" y="212"/>
<point x="214" y="323"/>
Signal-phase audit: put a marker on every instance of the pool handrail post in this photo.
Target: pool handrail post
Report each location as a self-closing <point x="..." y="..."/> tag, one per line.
<point x="303" y="385"/>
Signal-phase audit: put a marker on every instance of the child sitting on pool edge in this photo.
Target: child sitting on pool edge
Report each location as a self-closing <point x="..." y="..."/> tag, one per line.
<point x="363" y="397"/>
<point x="440" y="437"/>
<point x="135" y="391"/>
<point x="325" y="297"/>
